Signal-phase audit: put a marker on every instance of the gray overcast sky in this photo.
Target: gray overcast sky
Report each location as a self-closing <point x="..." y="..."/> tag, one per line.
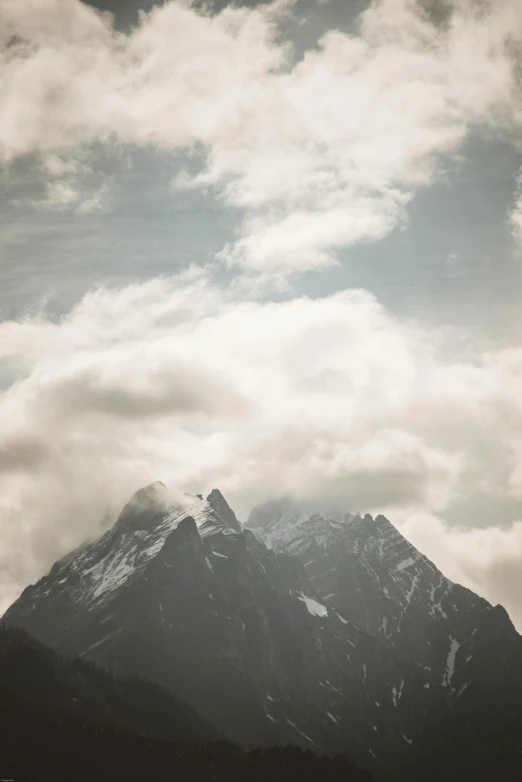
<point x="273" y="247"/>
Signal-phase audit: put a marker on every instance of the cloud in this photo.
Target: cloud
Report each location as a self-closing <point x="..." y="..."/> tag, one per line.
<point x="316" y="153"/>
<point x="59" y="195"/>
<point x="485" y="560"/>
<point x="24" y="453"/>
<point x="330" y="400"/>
<point x="73" y="184"/>
<point x="178" y="78"/>
<point x="140" y="383"/>
<point x="70" y="194"/>
<point x="515" y="217"/>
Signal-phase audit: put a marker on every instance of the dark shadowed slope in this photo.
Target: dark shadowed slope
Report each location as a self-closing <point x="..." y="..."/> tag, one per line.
<point x="64" y="720"/>
<point x="37" y="679"/>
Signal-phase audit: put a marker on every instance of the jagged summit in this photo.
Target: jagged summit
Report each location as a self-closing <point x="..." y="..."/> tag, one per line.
<point x="146" y="506"/>
<point x="97" y="572"/>
<point x="365" y="569"/>
<point x="151" y="505"/>
<point x="223" y="509"/>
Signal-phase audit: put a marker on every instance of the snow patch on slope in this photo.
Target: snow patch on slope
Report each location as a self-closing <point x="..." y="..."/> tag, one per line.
<point x="450" y="662"/>
<point x="314" y="608"/>
<point x="404" y="564"/>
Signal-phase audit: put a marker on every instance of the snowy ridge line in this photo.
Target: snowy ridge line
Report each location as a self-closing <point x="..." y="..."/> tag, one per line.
<point x="121" y="553"/>
<point x="314" y="608"/>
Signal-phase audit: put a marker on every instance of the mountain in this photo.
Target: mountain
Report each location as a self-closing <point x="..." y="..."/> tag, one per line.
<point x="36" y="679"/>
<point x="467" y="652"/>
<point x="64" y="719"/>
<point x="327" y="631"/>
<point x="364" y="569"/>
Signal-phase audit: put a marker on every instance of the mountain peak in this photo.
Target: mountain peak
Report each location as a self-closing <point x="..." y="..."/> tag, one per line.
<point x="223" y="509"/>
<point x="94" y="573"/>
<point x="146" y="506"/>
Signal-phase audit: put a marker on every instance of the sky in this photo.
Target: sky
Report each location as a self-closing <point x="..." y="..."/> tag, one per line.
<point x="274" y="248"/>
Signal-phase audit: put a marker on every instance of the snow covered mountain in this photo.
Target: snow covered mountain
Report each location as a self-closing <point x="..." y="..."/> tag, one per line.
<point x="368" y="573"/>
<point x="366" y="570"/>
<point x="329" y="631"/>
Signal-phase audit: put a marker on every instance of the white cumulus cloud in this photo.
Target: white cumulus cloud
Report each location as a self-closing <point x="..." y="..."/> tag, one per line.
<point x="317" y="153"/>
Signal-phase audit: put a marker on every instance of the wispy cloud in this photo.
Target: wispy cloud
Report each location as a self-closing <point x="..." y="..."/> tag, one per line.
<point x="515" y="217"/>
<point x="317" y="154"/>
<point x="60" y="195"/>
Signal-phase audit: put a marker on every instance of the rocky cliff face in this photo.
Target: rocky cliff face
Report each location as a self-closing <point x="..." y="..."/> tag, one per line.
<point x="328" y="631"/>
<point x="467" y="651"/>
<point x="366" y="570"/>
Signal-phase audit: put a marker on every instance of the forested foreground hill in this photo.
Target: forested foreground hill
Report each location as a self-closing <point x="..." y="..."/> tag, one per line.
<point x="64" y="719"/>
